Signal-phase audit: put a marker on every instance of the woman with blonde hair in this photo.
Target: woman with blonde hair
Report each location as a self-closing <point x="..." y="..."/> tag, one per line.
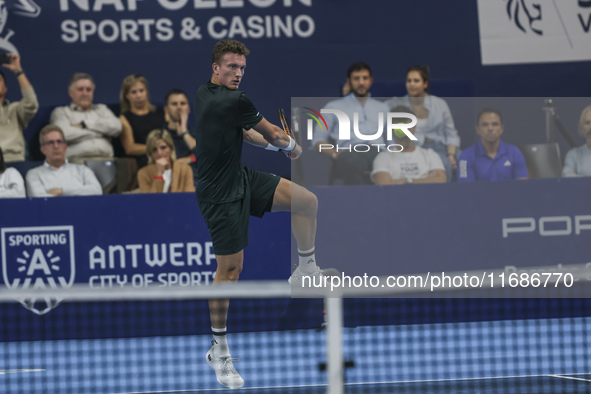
<point x="578" y="160"/>
<point x="163" y="174"/>
<point x="138" y="117"/>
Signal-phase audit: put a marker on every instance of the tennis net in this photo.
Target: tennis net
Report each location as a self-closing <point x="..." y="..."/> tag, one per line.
<point x="154" y="340"/>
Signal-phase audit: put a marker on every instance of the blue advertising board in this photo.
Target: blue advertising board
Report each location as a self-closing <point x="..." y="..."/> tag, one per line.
<point x="161" y="240"/>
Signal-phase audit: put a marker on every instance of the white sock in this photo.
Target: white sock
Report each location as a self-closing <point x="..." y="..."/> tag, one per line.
<point x="220" y="345"/>
<point x="307" y="260"/>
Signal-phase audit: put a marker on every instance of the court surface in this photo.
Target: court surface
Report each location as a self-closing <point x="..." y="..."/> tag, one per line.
<point x="524" y="356"/>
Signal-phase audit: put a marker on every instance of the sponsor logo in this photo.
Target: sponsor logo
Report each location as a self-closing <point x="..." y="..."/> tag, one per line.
<point x="345" y="126"/>
<point x="525" y="14"/>
<point x="558" y="30"/>
<point x="507" y="164"/>
<point x="38" y="258"/>
<point x="547" y="226"/>
<point x="26" y="8"/>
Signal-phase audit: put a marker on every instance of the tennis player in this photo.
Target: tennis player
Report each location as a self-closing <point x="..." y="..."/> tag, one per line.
<point x="227" y="193"/>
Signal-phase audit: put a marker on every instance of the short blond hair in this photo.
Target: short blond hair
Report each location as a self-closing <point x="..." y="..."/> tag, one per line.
<point x="155" y="136"/>
<point x="48" y="129"/>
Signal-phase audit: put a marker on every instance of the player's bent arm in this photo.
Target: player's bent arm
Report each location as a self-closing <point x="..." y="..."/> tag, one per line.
<point x="254" y="138"/>
<point x="434" y="176"/>
<point x="274" y="135"/>
<point x="127" y="140"/>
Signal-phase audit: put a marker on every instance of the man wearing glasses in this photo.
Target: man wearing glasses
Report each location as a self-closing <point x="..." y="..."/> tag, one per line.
<point x="58" y="177"/>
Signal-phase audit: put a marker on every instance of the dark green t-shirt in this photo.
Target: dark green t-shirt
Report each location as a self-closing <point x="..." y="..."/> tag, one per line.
<point x="220" y="115"/>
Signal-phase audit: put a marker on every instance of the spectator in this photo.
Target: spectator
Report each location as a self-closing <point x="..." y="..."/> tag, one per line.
<point x="164" y="174"/>
<point x="353" y="166"/>
<point x="412" y="164"/>
<point x="435" y="127"/>
<point x="177" y="109"/>
<point x="138" y="117"/>
<point x="58" y="177"/>
<point x="578" y="160"/>
<point x="88" y="127"/>
<point x="11" y="181"/>
<point x="491" y="159"/>
<point x="14" y="117"/>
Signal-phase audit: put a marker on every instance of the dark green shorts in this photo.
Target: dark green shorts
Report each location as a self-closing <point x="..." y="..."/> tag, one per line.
<point x="228" y="222"/>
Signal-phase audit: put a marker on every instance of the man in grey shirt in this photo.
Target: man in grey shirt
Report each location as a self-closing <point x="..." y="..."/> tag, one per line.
<point x="57" y="176"/>
<point x="88" y="127"/>
<point x="15" y="116"/>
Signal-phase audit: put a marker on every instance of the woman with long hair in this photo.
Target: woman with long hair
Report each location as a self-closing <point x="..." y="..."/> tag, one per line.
<point x="138" y="117"/>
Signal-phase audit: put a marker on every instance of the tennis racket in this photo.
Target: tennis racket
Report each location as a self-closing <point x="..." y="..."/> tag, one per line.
<point x="286" y="128"/>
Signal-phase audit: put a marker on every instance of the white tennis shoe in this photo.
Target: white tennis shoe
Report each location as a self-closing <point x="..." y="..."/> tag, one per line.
<point x="298" y="274"/>
<point x="224" y="370"/>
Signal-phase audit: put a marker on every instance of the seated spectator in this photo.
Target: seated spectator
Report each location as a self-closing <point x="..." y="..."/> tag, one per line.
<point x="11" y="181"/>
<point x="411" y="165"/>
<point x="578" y="160"/>
<point x="177" y="109"/>
<point x="58" y="177"/>
<point x="350" y="165"/>
<point x="164" y="174"/>
<point x="491" y="159"/>
<point x="14" y="117"/>
<point x="435" y="126"/>
<point x="88" y="127"/>
<point x="138" y="117"/>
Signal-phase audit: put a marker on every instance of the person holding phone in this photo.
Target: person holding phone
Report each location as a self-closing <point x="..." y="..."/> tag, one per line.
<point x="14" y="117"/>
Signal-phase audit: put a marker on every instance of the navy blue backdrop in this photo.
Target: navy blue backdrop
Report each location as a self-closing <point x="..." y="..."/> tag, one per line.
<point x="300" y="48"/>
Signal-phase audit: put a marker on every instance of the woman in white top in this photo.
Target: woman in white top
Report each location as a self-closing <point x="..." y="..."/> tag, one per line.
<point x="11" y="181"/>
<point x="578" y="160"/>
<point x="435" y="126"/>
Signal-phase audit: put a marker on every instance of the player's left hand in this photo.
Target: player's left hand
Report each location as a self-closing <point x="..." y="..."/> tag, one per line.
<point x="295" y="153"/>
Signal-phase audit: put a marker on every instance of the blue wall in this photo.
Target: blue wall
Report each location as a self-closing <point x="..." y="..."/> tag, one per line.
<point x="390" y="35"/>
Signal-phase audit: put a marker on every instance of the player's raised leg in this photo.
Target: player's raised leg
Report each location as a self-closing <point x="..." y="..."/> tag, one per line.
<point x="218" y="357"/>
<point x="303" y="205"/>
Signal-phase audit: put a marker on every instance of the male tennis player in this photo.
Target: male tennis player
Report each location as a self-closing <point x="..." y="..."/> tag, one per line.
<point x="228" y="193"/>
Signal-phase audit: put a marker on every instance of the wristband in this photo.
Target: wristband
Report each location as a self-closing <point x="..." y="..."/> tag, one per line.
<point x="193" y="158"/>
<point x="183" y="134"/>
<point x="272" y="147"/>
<point x="18" y="73"/>
<point x="158" y="177"/>
<point x="292" y="144"/>
<point x="83" y="124"/>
